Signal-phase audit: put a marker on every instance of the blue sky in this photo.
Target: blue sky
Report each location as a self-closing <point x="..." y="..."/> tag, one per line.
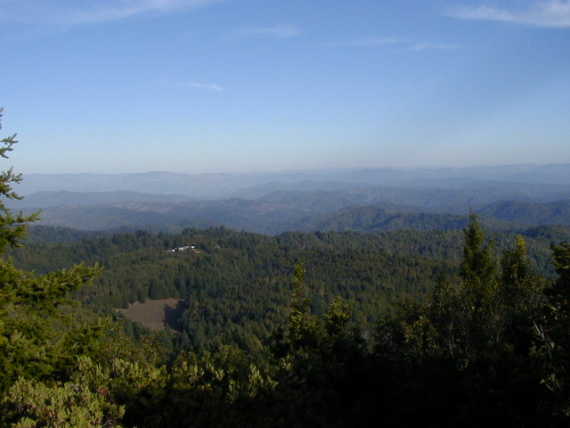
<point x="260" y="85"/>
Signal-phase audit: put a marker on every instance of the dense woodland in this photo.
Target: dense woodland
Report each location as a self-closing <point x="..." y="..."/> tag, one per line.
<point x="404" y="328"/>
<point x="235" y="286"/>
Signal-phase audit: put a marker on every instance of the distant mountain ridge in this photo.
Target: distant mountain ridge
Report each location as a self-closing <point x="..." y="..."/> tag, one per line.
<point x="261" y="216"/>
<point x="557" y="212"/>
<point x="374" y="219"/>
<point x="48" y="199"/>
<point x="216" y="186"/>
<point x="337" y="206"/>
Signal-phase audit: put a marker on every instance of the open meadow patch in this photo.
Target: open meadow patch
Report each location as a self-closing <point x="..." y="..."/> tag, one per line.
<point x="154" y="314"/>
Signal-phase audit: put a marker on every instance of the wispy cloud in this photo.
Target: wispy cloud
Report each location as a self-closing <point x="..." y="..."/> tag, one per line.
<point x="73" y="13"/>
<point x="377" y="42"/>
<point x="205" y="85"/>
<point x="369" y="42"/>
<point x="275" y="31"/>
<point x="545" y="13"/>
<point x="433" y="46"/>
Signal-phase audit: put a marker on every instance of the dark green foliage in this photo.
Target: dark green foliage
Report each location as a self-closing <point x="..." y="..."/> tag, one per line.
<point x="30" y="343"/>
<point x="235" y="285"/>
<point x="479" y="265"/>
<point x="467" y="355"/>
<point x="12" y="226"/>
<point x="472" y="345"/>
<point x="554" y="332"/>
<point x="42" y="331"/>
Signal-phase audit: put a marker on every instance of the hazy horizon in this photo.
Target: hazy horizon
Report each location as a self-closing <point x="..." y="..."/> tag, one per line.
<point x="304" y="170"/>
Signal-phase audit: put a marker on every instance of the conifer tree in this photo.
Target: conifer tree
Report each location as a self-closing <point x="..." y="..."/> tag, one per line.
<point x="30" y="345"/>
<point x="12" y="226"/>
<point x="515" y="264"/>
<point x="479" y="266"/>
<point x="555" y="334"/>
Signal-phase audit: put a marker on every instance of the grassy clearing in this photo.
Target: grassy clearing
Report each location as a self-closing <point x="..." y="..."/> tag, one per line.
<point x="154" y="314"/>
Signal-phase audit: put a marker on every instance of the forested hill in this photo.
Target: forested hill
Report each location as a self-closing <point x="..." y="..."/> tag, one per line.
<point x="52" y="199"/>
<point x="377" y="219"/>
<point x="234" y="285"/>
<point x="431" y="243"/>
<point x="323" y="329"/>
<point x="354" y="208"/>
<point x="557" y="212"/>
<point x="261" y="216"/>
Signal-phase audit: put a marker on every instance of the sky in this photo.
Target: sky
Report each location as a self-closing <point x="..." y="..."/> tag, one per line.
<point x="114" y="86"/>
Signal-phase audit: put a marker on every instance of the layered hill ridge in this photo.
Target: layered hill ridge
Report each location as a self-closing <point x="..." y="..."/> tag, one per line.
<point x="557" y="212"/>
<point x="365" y="210"/>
